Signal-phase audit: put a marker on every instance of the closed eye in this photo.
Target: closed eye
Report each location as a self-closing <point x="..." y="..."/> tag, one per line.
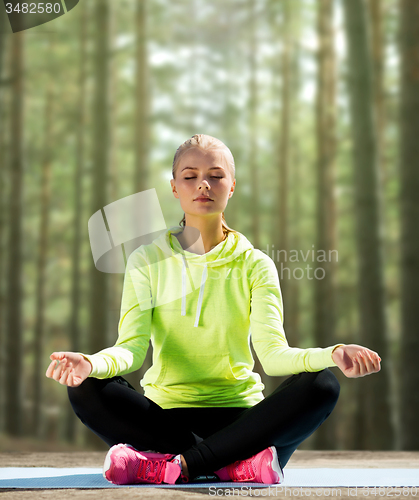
<point x="212" y="177"/>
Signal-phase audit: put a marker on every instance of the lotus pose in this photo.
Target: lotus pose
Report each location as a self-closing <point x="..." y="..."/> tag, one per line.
<point x="201" y="292"/>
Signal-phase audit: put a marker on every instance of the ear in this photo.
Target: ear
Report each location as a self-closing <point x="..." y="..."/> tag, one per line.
<point x="233" y="186"/>
<point x="172" y="183"/>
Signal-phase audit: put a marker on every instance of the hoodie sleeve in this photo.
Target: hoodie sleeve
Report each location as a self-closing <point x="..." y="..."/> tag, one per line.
<point x="134" y="329"/>
<point x="267" y="331"/>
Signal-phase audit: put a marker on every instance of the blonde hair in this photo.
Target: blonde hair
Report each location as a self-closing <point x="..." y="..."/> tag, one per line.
<point x="206" y="143"/>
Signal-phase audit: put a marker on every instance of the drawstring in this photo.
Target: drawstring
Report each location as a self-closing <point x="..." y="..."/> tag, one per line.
<point x="183" y="287"/>
<point x="201" y="294"/>
<point x="201" y="291"/>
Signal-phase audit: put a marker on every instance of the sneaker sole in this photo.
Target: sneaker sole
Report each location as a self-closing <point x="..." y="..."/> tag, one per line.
<point x="275" y="465"/>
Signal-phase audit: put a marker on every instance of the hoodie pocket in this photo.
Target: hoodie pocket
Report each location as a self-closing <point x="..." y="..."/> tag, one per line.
<point x="199" y="369"/>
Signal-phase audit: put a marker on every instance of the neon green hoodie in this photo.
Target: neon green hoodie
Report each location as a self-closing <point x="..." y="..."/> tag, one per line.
<point x="201" y="312"/>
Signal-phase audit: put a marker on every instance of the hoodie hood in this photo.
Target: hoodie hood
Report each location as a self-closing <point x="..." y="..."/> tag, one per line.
<point x="226" y="251"/>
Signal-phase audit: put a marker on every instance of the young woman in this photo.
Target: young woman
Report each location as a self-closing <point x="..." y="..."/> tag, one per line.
<point x="201" y="292"/>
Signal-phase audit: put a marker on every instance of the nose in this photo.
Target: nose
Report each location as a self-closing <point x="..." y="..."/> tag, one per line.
<point x="204" y="183"/>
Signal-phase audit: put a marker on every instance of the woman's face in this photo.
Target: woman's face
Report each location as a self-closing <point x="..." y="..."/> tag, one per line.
<point x="203" y="173"/>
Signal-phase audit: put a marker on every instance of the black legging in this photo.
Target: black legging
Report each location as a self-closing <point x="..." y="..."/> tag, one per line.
<point x="208" y="438"/>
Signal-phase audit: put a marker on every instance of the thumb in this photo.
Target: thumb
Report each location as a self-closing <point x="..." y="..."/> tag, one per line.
<point x="57" y="355"/>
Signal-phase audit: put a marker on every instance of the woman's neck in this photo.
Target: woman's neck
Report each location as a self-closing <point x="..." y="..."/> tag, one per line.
<point x="200" y="240"/>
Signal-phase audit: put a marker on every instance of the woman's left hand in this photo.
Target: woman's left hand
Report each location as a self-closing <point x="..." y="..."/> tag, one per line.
<point x="356" y="361"/>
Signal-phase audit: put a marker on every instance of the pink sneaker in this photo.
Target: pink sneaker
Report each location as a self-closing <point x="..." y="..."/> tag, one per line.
<point x="126" y="465"/>
<point x="261" y="468"/>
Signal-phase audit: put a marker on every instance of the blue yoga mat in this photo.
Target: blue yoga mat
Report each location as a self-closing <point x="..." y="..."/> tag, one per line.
<point x="48" y="477"/>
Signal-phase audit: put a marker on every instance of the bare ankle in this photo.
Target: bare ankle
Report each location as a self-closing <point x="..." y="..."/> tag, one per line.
<point x="185" y="471"/>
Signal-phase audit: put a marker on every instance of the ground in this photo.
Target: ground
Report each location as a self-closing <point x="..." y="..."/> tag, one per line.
<point x="303" y="459"/>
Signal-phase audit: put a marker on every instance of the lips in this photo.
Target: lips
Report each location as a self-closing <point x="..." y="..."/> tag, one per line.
<point x="203" y="198"/>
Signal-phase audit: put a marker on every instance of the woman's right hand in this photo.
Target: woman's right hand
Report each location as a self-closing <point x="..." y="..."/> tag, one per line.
<point x="68" y="368"/>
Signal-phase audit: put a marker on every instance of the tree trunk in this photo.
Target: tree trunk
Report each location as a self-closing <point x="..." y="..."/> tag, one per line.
<point x="99" y="280"/>
<point x="253" y="126"/>
<point x="376" y="22"/>
<point x="252" y="163"/>
<point x="283" y="158"/>
<point x="375" y="420"/>
<point x="142" y="137"/>
<point x="409" y="179"/>
<point x="74" y="323"/>
<point x="142" y="99"/>
<point x="14" y="365"/>
<point x="3" y="39"/>
<point x="45" y="188"/>
<point x="115" y="278"/>
<point x="3" y="206"/>
<point x="324" y="279"/>
<point x="293" y="309"/>
<point x="229" y="118"/>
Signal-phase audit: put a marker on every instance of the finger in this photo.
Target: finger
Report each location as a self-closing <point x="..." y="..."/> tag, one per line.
<point x="366" y="362"/>
<point x="64" y="376"/>
<point x="73" y="380"/>
<point x="365" y="365"/>
<point x="361" y="365"/>
<point x="57" y="374"/>
<point x="50" y="369"/>
<point x="57" y="355"/>
<point x="58" y="371"/>
<point x="65" y="373"/>
<point x="377" y="364"/>
<point x="370" y="360"/>
<point x="355" y="368"/>
<point x="373" y="356"/>
<point x="59" y="363"/>
<point x="373" y="353"/>
<point x="70" y="381"/>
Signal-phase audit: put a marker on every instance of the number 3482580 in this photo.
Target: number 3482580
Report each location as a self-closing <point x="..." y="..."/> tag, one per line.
<point x="34" y="8"/>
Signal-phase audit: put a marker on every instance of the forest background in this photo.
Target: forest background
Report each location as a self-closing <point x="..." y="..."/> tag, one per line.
<point x="318" y="102"/>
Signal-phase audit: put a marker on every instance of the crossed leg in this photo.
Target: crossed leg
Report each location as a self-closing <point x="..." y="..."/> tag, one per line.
<point x="208" y="438"/>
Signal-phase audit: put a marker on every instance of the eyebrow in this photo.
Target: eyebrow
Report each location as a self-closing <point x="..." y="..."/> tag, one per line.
<point x="193" y="168"/>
